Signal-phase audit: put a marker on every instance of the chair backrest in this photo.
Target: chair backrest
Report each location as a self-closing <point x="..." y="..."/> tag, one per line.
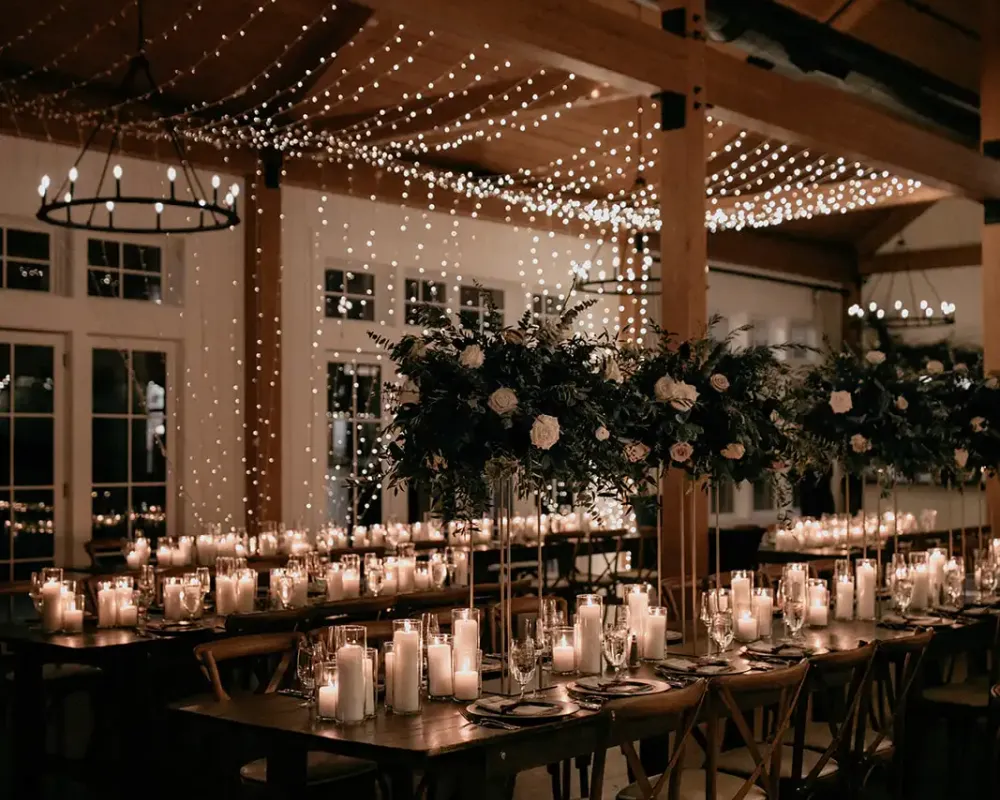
<point x="260" y="622"/>
<point x="258" y="652"/>
<point x="731" y="696"/>
<point x="841" y="682"/>
<point x="376" y="632"/>
<point x="994" y="731"/>
<point x="519" y="605"/>
<point x="898" y="666"/>
<point x="659" y="715"/>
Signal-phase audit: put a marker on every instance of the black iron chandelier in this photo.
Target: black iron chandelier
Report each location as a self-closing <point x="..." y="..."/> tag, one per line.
<point x="184" y="209"/>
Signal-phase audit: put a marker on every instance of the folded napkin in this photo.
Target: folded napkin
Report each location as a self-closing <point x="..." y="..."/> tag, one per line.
<point x="706" y="665"/>
<point x="522" y="708"/>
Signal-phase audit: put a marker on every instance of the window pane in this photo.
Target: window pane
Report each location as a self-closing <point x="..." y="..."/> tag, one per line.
<point x="496" y="295"/>
<point x="4" y="531"/>
<point x="103" y="284"/>
<point x="413" y="314"/>
<point x="34" y="382"/>
<point x="412" y="289"/>
<point x="109" y="509"/>
<point x="435" y="292"/>
<point x="30" y="277"/>
<point x="33" y="520"/>
<point x="338" y="499"/>
<point x="149" y="510"/>
<point x="4" y="452"/>
<point x="5" y="390"/>
<point x="22" y="570"/>
<point x="369" y="380"/>
<point x="469" y="319"/>
<point x="536" y="303"/>
<point x="148" y="463"/>
<point x="763" y="495"/>
<point x="149" y="394"/>
<point x="28" y="244"/>
<point x="367" y="445"/>
<point x="469" y="296"/>
<point x="335" y="307"/>
<point x="33" y="451"/>
<point x="101" y="253"/>
<point x="110" y="382"/>
<point x="334" y="280"/>
<point x="141" y="287"/>
<point x="338" y="388"/>
<point x="109" y="453"/>
<point x="360" y="283"/>
<point x="360" y="309"/>
<point x="339" y="459"/>
<point x="142" y="257"/>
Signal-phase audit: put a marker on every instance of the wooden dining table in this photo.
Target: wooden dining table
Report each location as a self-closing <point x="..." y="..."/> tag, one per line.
<point x="441" y="744"/>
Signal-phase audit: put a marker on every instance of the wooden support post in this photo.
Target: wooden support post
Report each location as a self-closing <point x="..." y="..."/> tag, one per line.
<point x="990" y="133"/>
<point x="262" y="346"/>
<point x="683" y="253"/>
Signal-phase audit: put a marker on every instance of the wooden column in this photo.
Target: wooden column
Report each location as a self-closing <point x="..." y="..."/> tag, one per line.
<point x="262" y="345"/>
<point x="680" y="165"/>
<point x="989" y="112"/>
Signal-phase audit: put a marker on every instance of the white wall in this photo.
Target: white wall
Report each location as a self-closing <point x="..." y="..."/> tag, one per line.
<point x="205" y="332"/>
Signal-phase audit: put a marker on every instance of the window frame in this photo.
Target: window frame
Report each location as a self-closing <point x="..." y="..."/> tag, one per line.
<point x="543" y="300"/>
<point x="160" y="243"/>
<point x="58" y="268"/>
<point x="442" y="305"/>
<point x="479" y="309"/>
<point x="369" y="300"/>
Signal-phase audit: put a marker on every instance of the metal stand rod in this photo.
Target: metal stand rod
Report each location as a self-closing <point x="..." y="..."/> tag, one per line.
<point x="541" y="573"/>
<point x="694" y="560"/>
<point x="895" y="519"/>
<point x="961" y="514"/>
<point x="718" y="539"/>
<point x="878" y="548"/>
<point x="864" y="513"/>
<point x="683" y="561"/>
<point x="951" y="519"/>
<point x="982" y="490"/>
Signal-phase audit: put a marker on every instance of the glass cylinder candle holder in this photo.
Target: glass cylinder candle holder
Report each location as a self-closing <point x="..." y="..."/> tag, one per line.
<point x="793" y="578"/>
<point x="844" y="591"/>
<point x="439" y="666"/>
<point x="588" y="622"/>
<point x="467" y="675"/>
<point x="184" y="554"/>
<point x="465" y="628"/>
<point x="439" y="570"/>
<point x="817" y="603"/>
<point x="921" y="576"/>
<point x="405" y="572"/>
<point x="246" y="590"/>
<point x="172" y="589"/>
<point x="51" y="602"/>
<point x="128" y="608"/>
<point x="325" y="676"/>
<point x="637" y="600"/>
<point x="421" y="576"/>
<point x="351" y="576"/>
<point x="387" y="662"/>
<point x="763" y="608"/>
<point x="165" y="546"/>
<point x="937" y="558"/>
<point x="563" y="650"/>
<point x="741" y="587"/>
<point x="334" y="581"/>
<point x="371" y="681"/>
<point x="841" y="567"/>
<point x="350" y="646"/>
<point x="865" y="588"/>
<point x="390" y="583"/>
<point x="407" y="666"/>
<point x="745" y="627"/>
<point x="73" y="607"/>
<point x="654" y="634"/>
<point x="107" y="604"/>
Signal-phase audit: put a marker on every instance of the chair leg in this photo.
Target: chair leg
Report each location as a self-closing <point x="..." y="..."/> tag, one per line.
<point x="553" y="770"/>
<point x="567" y="778"/>
<point x="583" y="765"/>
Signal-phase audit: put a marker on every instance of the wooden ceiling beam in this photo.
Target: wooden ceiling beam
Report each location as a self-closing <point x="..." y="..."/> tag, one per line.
<point x="889" y="226"/>
<point x="917" y="260"/>
<point x="824" y="262"/>
<point x="847" y="14"/>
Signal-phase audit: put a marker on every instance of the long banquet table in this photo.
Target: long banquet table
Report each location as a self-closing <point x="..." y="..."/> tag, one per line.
<point x="440" y="743"/>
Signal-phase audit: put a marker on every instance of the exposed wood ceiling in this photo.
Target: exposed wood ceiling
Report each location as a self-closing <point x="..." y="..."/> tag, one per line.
<point x="217" y="60"/>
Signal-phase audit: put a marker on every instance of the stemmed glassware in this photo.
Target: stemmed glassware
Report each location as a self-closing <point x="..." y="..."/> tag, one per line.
<point x="191" y="597"/>
<point x="954" y="580"/>
<point x="902" y="588"/>
<point x="714" y="601"/>
<point x="205" y="577"/>
<point x="722" y="629"/>
<point x="985" y="572"/>
<point x="439" y="571"/>
<point x="375" y="577"/>
<point x="523" y="661"/>
<point x="37" y="579"/>
<point x="616" y="639"/>
<point x="306" y="658"/>
<point x="285" y="585"/>
<point x="793" y="606"/>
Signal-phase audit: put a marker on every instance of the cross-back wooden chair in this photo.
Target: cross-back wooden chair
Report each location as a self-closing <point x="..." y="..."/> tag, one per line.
<point x="994" y="739"/>
<point x="839" y="685"/>
<point x="899" y="665"/>
<point x="270" y="660"/>
<point x="753" y="770"/>
<point x="649" y="718"/>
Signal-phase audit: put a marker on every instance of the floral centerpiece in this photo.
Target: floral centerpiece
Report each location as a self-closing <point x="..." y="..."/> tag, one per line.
<point x="970" y="405"/>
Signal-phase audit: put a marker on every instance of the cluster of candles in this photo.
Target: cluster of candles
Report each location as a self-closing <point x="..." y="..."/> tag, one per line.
<point x="58" y="602"/>
<point x="137" y="552"/>
<point x="839" y="530"/>
<point x="117" y="605"/>
<point x="752" y="608"/>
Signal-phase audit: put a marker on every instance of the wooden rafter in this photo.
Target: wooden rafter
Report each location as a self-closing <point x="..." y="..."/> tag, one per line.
<point x="845" y="15"/>
<point x="815" y="261"/>
<point x="888" y="226"/>
<point x="917" y="260"/>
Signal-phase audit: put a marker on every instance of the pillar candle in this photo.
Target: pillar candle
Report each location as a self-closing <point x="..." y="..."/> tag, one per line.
<point x="246" y="593"/>
<point x="638" y="606"/>
<point x="107" y="608"/>
<point x="654" y="643"/>
<point x="390" y="583"/>
<point x="52" y="606"/>
<point x="326" y="701"/>
<point x="172" y="611"/>
<point x="936" y="560"/>
<point x="164" y="555"/>
<point x="746" y="626"/>
<point x="128" y="615"/>
<point x="406" y="671"/>
<point x="865" y="580"/>
<point x="300" y="592"/>
<point x="588" y="638"/>
<point x="845" y="598"/>
<point x="741" y="593"/>
<point x="564" y="658"/>
<point x="461" y="569"/>
<point x="763" y="607"/>
<point x="133" y="559"/>
<point x="351" y="683"/>
<point x="369" y="686"/>
<point x="921" y="588"/>
<point x="352" y="583"/>
<point x="225" y="595"/>
<point x="439" y="669"/>
<point x="421" y="580"/>
<point x="466" y="634"/>
<point x="73" y="620"/>
<point x="334" y="584"/>
<point x="405" y="569"/>
<point x="818" y="614"/>
<point x="466" y="684"/>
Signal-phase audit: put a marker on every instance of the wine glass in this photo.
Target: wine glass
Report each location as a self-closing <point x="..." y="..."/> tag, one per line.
<point x="985" y="572"/>
<point x="439" y="571"/>
<point x="191" y="599"/>
<point x="722" y="629"/>
<point x="36" y="591"/>
<point x="375" y="578"/>
<point x="305" y="662"/>
<point x="522" y="662"/>
<point x="615" y="643"/>
<point x="902" y="589"/>
<point x="285" y="585"/>
<point x="954" y="582"/>
<point x="205" y="576"/>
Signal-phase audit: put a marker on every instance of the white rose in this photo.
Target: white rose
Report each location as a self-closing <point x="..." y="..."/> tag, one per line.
<point x="719" y="382"/>
<point x="437" y="462"/>
<point x="733" y="451"/>
<point x="680" y="395"/>
<point x="681" y="452"/>
<point x="978" y="424"/>
<point x="502" y="401"/>
<point x="859" y="444"/>
<point x="841" y="402"/>
<point x="934" y="367"/>
<point x="544" y="431"/>
<point x="602" y="434"/>
<point x="961" y="457"/>
<point x="902" y="403"/>
<point x="636" y="451"/>
<point x="472" y="357"/>
<point x="409" y="393"/>
<point x="992" y="382"/>
<point x="612" y="372"/>
<point x="874" y="356"/>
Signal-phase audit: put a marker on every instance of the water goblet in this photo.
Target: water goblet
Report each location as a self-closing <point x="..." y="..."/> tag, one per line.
<point x="522" y="662"/>
<point x="191" y="598"/>
<point x="285" y="586"/>
<point x="375" y="578"/>
<point x="615" y="643"/>
<point x="903" y="589"/>
<point x="205" y="577"/>
<point x="722" y="629"/>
